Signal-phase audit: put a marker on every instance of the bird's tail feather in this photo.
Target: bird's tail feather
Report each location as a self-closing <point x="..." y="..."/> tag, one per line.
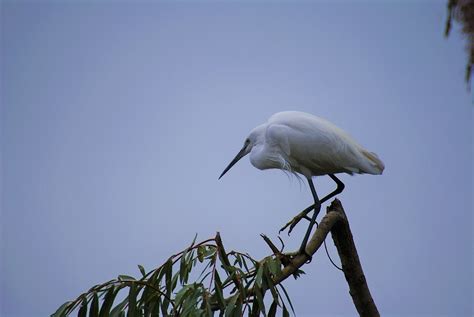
<point x="377" y="165"/>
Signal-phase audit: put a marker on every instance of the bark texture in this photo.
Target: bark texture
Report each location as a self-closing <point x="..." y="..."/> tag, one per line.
<point x="358" y="288"/>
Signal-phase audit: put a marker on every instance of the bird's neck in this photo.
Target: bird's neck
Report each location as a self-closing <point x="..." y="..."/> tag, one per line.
<point x="263" y="158"/>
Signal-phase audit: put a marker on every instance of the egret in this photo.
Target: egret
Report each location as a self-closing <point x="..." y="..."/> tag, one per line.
<point x="302" y="143"/>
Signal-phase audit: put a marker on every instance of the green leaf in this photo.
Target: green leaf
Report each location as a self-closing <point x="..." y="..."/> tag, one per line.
<point x="285" y="312"/>
<point x="94" y="309"/>
<point x="117" y="309"/>
<point x="168" y="271"/>
<point x="211" y="250"/>
<point x="155" y="307"/>
<point x="174" y="281"/>
<point x="287" y="298"/>
<point x="259" y="296"/>
<point x="274" y="266"/>
<point x="194" y="240"/>
<point x="108" y="302"/>
<point x="238" y="309"/>
<point x="142" y="270"/>
<point x="273" y="309"/>
<point x="200" y="253"/>
<point x="181" y="295"/>
<point x="270" y="285"/>
<point x="218" y="291"/>
<point x="207" y="304"/>
<point x="132" y="301"/>
<point x="258" y="278"/>
<point x="182" y="266"/>
<point x="125" y="278"/>
<point x="83" y="310"/>
<point x="229" y="311"/>
<point x="60" y="312"/>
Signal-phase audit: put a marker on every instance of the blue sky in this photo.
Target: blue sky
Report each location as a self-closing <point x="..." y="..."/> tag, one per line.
<point x="117" y="119"/>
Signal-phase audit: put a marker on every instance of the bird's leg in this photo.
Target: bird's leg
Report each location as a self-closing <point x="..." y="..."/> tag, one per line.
<point x="317" y="208"/>
<point x="293" y="222"/>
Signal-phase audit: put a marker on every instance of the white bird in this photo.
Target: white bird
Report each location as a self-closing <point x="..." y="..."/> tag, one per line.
<point x="302" y="143"/>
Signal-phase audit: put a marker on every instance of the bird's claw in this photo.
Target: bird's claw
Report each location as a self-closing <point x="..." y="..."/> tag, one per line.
<point x="292" y="223"/>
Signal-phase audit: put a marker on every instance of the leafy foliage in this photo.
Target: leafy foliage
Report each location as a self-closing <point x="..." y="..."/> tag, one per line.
<point x="232" y="284"/>
<point x="463" y="12"/>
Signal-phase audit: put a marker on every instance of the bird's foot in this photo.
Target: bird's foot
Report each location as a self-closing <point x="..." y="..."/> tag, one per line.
<point x="293" y="222"/>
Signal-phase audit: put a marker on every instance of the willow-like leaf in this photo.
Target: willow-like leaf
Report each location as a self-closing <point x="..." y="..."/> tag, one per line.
<point x="258" y="278"/>
<point x="183" y="265"/>
<point x="132" y="301"/>
<point x="115" y="312"/>
<point x="273" y="309"/>
<point x="218" y="291"/>
<point x="287" y="298"/>
<point x="83" y="310"/>
<point x="108" y="302"/>
<point x="142" y="270"/>
<point x="94" y="309"/>
<point x="259" y="295"/>
<point x="60" y="312"/>
<point x="124" y="278"/>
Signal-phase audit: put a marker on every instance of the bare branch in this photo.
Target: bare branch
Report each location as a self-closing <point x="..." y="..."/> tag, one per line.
<point x="342" y="236"/>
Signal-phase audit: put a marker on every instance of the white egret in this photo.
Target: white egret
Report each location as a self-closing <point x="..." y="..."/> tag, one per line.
<point x="302" y="143"/>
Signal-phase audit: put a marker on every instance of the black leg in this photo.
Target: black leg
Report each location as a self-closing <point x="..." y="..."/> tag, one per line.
<point x="317" y="208"/>
<point x="303" y="214"/>
<point x="337" y="191"/>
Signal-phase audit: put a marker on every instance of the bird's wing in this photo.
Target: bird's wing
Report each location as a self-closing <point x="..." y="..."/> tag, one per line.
<point x="276" y="137"/>
<point x="316" y="144"/>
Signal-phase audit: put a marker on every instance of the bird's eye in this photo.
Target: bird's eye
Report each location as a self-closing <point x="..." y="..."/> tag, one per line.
<point x="247" y="141"/>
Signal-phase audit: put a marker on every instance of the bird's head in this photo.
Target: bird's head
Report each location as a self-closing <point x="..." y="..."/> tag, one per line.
<point x="254" y="138"/>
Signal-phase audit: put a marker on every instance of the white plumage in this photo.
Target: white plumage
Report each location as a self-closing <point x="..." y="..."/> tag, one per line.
<point x="306" y="144"/>
<point x="302" y="143"/>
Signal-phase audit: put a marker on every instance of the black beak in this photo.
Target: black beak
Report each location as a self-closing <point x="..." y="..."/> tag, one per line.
<point x="235" y="160"/>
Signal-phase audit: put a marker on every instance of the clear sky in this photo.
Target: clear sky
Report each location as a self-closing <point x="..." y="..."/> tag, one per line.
<point x="117" y="119"/>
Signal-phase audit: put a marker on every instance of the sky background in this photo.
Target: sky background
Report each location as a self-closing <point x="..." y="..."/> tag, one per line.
<point x="117" y="119"/>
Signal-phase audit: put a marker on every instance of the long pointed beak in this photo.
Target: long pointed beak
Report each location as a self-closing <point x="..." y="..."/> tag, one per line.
<point x="235" y="160"/>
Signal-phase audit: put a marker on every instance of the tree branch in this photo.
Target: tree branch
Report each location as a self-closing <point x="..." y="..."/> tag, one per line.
<point x="334" y="221"/>
<point x="342" y="236"/>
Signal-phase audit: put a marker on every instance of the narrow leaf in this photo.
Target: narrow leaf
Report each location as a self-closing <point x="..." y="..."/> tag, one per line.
<point x="259" y="296"/>
<point x="117" y="309"/>
<point x="218" y="289"/>
<point x="108" y="302"/>
<point x="132" y="301"/>
<point x="60" y="312"/>
<point x="142" y="270"/>
<point x="94" y="309"/>
<point x="200" y="252"/>
<point x="83" y="310"/>
<point x="273" y="309"/>
<point x="287" y="298"/>
<point x="258" y="278"/>
<point x="229" y="311"/>
<point x="182" y="266"/>
<point x="126" y="278"/>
